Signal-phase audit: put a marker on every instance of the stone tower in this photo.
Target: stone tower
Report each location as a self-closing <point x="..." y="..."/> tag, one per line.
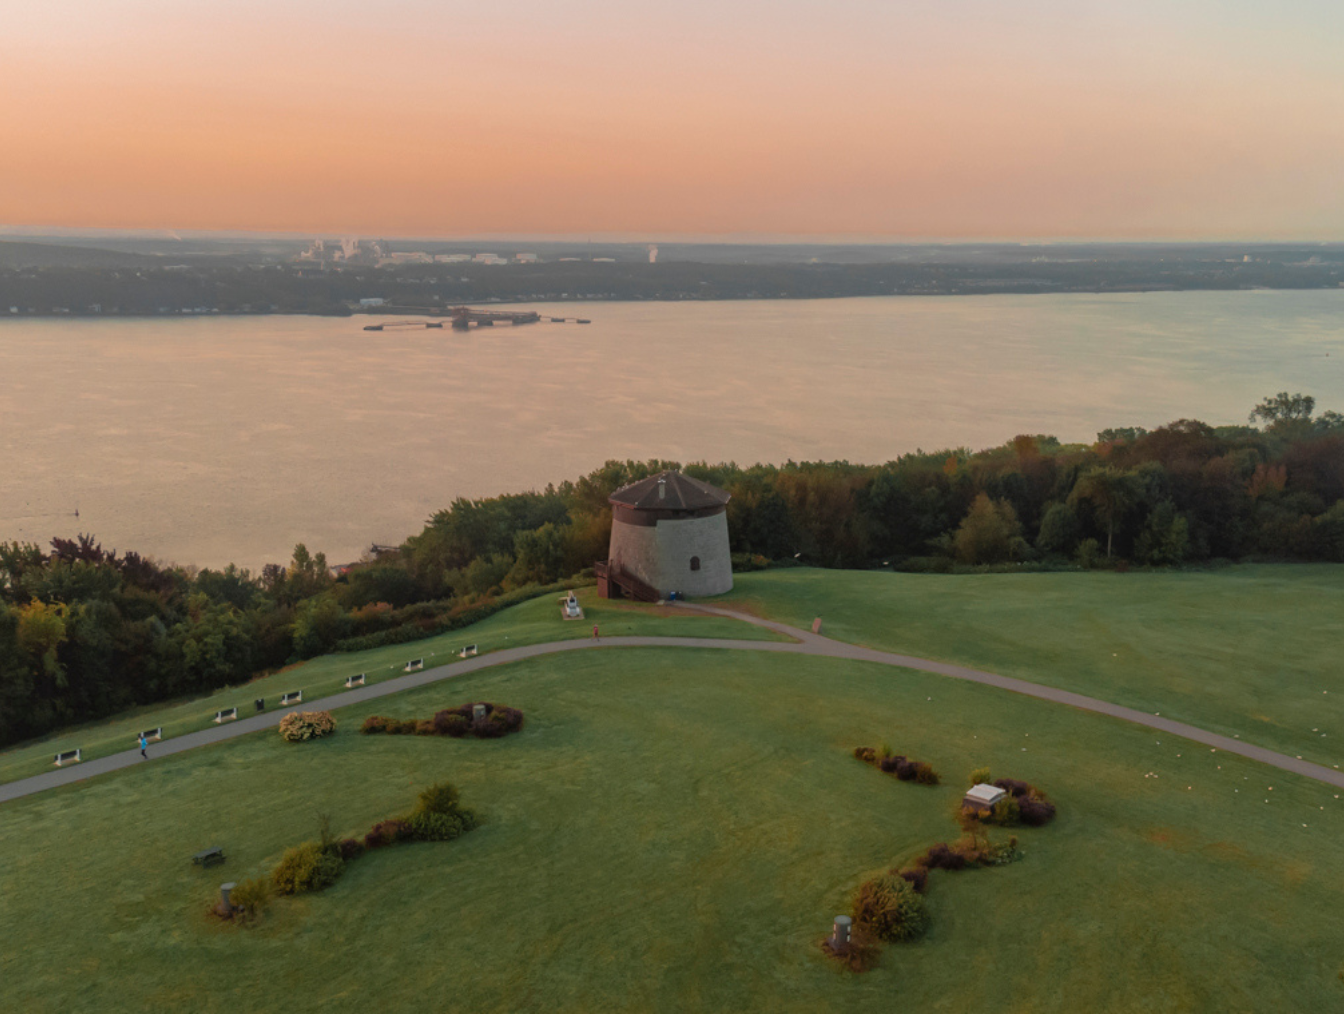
<point x="669" y="533"/>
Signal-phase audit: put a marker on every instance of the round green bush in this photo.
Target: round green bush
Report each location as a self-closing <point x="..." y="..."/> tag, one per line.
<point x="306" y="867"/>
<point x="890" y="909"/>
<point x="441" y="797"/>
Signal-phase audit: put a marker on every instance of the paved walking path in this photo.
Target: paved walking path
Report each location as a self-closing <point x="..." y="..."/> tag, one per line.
<point x="805" y="643"/>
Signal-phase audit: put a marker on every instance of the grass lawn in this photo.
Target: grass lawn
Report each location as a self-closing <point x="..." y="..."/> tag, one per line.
<point x="1249" y="651"/>
<point x="532" y="622"/>
<point x="673" y="830"/>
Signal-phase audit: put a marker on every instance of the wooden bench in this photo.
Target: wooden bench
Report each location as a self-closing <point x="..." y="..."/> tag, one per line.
<point x="226" y="715"/>
<point x="68" y="757"/>
<point x="152" y="735"/>
<point x="414" y="665"/>
<point x="293" y="697"/>
<point x="212" y="856"/>
<point x="467" y="652"/>
<point x="354" y="681"/>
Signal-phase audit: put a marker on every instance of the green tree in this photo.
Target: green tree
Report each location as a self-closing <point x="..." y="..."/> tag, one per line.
<point x="1165" y="538"/>
<point x="987" y="533"/>
<point x="1059" y="529"/>
<point x="319" y="622"/>
<point x="539" y="556"/>
<point x="1285" y="415"/>
<point x="1111" y="492"/>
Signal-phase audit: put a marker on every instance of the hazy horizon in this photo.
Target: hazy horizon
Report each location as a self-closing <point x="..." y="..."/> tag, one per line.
<point x="854" y="119"/>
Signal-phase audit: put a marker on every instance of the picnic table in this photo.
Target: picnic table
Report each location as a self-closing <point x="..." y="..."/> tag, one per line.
<point x="212" y="856"/>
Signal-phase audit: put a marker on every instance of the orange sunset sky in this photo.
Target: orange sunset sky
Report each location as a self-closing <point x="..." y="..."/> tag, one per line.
<point x="940" y="119"/>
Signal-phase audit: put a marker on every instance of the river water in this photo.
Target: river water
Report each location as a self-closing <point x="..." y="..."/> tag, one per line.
<point x="209" y="440"/>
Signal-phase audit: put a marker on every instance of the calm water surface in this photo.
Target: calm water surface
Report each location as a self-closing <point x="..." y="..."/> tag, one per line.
<point x="216" y="439"/>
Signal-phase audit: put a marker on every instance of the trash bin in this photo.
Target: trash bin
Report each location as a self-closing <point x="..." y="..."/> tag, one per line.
<point x="260" y="702"/>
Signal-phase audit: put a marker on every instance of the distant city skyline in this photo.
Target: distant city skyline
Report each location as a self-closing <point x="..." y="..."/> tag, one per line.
<point x="850" y="121"/>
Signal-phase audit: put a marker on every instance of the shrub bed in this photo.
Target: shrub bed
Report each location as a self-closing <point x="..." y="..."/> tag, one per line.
<point x="458" y="722"/>
<point x="891" y="908"/>
<point x="312" y="866"/>
<point x="298" y="726"/>
<point x="902" y="767"/>
<point x="1024" y="804"/>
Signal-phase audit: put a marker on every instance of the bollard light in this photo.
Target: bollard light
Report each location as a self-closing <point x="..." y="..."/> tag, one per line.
<point x="840" y="934"/>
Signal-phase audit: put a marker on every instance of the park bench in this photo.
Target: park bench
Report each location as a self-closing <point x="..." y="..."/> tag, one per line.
<point x="68" y="757"/>
<point x="226" y="715"/>
<point x="212" y="856"/>
<point x="467" y="652"/>
<point x="152" y="735"/>
<point x="354" y="681"/>
<point x="293" y="697"/>
<point x="414" y="665"/>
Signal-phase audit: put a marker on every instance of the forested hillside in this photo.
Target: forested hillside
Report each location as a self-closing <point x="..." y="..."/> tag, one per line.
<point x="85" y="632"/>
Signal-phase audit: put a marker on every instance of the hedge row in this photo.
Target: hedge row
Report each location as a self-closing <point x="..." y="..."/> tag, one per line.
<point x="455" y="618"/>
<point x="497" y="721"/>
<point x="438" y="816"/>
<point x="898" y="764"/>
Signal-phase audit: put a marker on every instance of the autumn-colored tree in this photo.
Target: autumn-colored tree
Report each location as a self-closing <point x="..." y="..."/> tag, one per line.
<point x="41" y="631"/>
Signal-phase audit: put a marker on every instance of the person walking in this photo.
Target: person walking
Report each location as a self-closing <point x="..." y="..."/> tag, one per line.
<point x="594" y="631"/>
<point x="144" y="743"/>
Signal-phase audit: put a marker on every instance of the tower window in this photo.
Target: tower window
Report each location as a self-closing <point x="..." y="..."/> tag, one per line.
<point x="695" y="563"/>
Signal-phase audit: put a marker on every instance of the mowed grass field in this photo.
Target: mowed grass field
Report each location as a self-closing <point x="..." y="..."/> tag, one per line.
<point x="532" y="622"/>
<point x="672" y="831"/>
<point x="1248" y="651"/>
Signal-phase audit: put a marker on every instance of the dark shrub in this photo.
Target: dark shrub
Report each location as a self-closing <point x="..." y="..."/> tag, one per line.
<point x="866" y="754"/>
<point x="889" y="763"/>
<point x="942" y="857"/>
<point x="350" y="848"/>
<point x="925" y="775"/>
<point x="917" y="876"/>
<point x="510" y="718"/>
<point x="450" y="723"/>
<point x="890" y="908"/>
<point x="1013" y="787"/>
<point x="403" y="728"/>
<point x="905" y="769"/>
<point x="1035" y="811"/>
<point x="374" y="724"/>
<point x="387" y="832"/>
<point x="425" y="727"/>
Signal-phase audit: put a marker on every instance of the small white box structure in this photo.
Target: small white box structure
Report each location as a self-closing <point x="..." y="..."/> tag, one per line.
<point x="983" y="797"/>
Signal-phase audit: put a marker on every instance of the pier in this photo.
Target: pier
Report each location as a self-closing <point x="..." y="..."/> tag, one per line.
<point x="460" y="318"/>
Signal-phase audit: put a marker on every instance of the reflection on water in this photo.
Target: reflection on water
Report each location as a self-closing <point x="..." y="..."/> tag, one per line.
<point x="209" y="440"/>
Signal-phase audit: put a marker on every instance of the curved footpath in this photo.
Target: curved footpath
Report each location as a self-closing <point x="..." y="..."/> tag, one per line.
<point x="805" y="643"/>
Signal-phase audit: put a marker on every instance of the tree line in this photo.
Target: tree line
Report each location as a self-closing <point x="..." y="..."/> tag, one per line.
<point x="86" y="632"/>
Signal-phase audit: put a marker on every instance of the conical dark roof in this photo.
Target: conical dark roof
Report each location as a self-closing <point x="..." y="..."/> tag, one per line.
<point x="670" y="491"/>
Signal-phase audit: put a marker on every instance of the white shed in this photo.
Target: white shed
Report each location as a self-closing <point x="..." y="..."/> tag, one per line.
<point x="983" y="796"/>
